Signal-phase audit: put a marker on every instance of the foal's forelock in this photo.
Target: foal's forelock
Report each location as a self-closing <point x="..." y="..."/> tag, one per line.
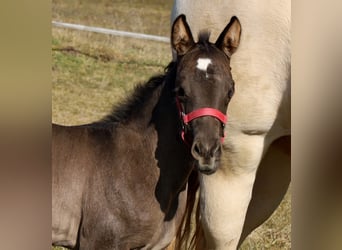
<point x="203" y="37"/>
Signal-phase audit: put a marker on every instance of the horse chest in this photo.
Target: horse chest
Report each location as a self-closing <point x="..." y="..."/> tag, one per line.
<point x="125" y="219"/>
<point x="121" y="205"/>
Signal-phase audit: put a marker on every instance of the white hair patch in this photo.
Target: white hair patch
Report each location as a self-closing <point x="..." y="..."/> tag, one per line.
<point x="202" y="63"/>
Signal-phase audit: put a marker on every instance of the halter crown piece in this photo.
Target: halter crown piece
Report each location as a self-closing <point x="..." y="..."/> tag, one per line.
<point x="187" y="118"/>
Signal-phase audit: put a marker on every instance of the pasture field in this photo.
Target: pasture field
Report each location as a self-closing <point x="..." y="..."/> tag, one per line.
<point x="92" y="72"/>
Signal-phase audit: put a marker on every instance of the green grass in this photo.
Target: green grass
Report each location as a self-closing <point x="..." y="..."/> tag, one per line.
<point x="91" y="72"/>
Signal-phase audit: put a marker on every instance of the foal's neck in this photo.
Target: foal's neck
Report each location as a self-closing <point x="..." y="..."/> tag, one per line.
<point x="174" y="159"/>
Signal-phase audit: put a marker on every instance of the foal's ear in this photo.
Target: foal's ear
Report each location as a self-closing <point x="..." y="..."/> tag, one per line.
<point x="181" y="37"/>
<point x="229" y="39"/>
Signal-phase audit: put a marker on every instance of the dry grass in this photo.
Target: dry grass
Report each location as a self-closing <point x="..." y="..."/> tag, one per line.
<point x="275" y="233"/>
<point x="91" y="72"/>
<point x="87" y="81"/>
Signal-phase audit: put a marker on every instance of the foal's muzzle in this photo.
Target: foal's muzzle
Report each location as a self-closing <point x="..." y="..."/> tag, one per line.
<point x="207" y="155"/>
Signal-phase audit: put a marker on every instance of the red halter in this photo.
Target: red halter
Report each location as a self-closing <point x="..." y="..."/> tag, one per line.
<point x="187" y="118"/>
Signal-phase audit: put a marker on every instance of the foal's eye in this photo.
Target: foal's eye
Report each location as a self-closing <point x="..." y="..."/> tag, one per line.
<point x="231" y="91"/>
<point x="180" y="92"/>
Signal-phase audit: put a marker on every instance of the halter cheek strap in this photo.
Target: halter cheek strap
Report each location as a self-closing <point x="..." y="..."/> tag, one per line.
<point x="187" y="118"/>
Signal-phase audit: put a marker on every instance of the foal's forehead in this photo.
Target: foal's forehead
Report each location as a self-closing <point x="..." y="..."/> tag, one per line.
<point x="210" y="67"/>
<point x="207" y="58"/>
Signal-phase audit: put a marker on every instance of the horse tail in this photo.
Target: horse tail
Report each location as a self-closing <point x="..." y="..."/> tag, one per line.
<point x="188" y="238"/>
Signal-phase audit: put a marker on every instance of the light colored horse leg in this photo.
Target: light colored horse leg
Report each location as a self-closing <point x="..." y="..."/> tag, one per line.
<point x="271" y="183"/>
<point x="223" y="215"/>
<point x="226" y="194"/>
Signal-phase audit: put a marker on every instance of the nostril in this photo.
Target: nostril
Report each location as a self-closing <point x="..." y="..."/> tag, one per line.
<point x="217" y="150"/>
<point x="197" y="149"/>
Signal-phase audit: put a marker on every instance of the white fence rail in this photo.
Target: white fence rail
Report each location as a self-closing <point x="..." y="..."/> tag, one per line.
<point x="112" y="32"/>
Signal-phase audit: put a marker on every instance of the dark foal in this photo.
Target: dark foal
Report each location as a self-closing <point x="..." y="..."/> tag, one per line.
<point x="121" y="183"/>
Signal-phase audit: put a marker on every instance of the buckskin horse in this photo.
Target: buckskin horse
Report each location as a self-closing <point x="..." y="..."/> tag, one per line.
<point x="254" y="173"/>
<point x="121" y="182"/>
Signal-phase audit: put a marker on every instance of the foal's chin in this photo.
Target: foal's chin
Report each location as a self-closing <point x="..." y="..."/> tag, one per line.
<point x="205" y="168"/>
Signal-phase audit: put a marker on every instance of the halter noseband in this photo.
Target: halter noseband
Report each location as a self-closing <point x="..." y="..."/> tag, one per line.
<point x="187" y="118"/>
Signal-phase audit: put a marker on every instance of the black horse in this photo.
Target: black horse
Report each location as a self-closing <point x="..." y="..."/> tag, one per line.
<point x="121" y="183"/>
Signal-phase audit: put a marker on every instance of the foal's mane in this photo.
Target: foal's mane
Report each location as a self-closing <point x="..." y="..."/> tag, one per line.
<point x="142" y="93"/>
